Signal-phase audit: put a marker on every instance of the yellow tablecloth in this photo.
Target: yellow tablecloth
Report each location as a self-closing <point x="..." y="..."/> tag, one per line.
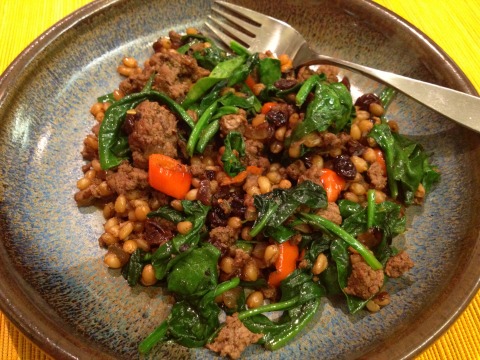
<point x="453" y="25"/>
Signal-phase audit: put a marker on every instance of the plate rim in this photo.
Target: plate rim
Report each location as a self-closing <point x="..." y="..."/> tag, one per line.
<point x="42" y="42"/>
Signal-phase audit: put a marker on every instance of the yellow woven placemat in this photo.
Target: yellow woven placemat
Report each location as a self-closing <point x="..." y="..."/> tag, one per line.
<point x="453" y="25"/>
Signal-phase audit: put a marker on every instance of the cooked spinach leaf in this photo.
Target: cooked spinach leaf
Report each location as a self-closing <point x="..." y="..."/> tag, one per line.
<point x="269" y="70"/>
<point x="407" y="163"/>
<point x="327" y="225"/>
<point x="276" y="207"/>
<point x="167" y="213"/>
<point x="234" y="150"/>
<point x="300" y="301"/>
<point x="111" y="139"/>
<point x="133" y="270"/>
<point x="194" y="272"/>
<point x="331" y="108"/>
<point x="341" y="256"/>
<point x="241" y="73"/>
<point x="210" y="57"/>
<point x="196" y="213"/>
<point x="222" y="70"/>
<point x="192" y="321"/>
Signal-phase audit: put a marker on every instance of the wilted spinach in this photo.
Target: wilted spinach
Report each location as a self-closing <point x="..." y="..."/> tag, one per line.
<point x="407" y="163"/>
<point x="194" y="272"/>
<point x="196" y="213"/>
<point x="276" y="207"/>
<point x="300" y="301"/>
<point x="269" y="70"/>
<point x="112" y="142"/>
<point x="331" y="109"/>
<point x="234" y="150"/>
<point x="222" y="70"/>
<point x="167" y="213"/>
<point x="192" y="321"/>
<point x="133" y="270"/>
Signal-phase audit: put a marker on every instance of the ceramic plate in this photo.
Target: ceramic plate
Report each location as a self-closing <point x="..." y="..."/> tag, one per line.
<point x="54" y="286"/>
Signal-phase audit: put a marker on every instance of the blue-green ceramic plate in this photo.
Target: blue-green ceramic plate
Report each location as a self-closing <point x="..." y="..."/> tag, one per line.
<point x="53" y="285"/>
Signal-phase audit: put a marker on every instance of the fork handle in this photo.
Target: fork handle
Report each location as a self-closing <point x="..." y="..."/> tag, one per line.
<point x="458" y="106"/>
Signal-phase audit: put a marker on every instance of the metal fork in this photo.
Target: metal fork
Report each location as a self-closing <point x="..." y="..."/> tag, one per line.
<point x="262" y="32"/>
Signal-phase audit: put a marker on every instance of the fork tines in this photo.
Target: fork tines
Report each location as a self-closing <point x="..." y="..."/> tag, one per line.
<point x="233" y="22"/>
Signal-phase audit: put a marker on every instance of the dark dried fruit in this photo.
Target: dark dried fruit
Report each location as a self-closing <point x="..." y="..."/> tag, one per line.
<point x="156" y="234"/>
<point x="226" y="203"/>
<point x="365" y="100"/>
<point x="277" y="117"/>
<point x="344" y="167"/>
<point x="210" y="174"/>
<point x="284" y="84"/>
<point x="129" y="123"/>
<point x="204" y="194"/>
<point x="356" y="148"/>
<point x="346" y="81"/>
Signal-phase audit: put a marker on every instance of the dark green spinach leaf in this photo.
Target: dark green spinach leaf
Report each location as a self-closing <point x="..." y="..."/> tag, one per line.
<point x="167" y="213"/>
<point x="331" y="108"/>
<point x="193" y="273"/>
<point x="300" y="301"/>
<point x="234" y="150"/>
<point x="407" y="163"/>
<point x="111" y="139"/>
<point x="276" y="207"/>
<point x="269" y="70"/>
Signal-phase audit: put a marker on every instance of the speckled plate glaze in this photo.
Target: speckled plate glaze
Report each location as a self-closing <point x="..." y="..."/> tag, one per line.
<point x="53" y="285"/>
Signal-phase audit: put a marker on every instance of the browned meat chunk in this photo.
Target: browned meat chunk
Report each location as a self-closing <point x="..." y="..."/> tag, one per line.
<point x="398" y="265"/>
<point x="295" y="169"/>
<point x="253" y="154"/>
<point x="234" y="122"/>
<point x="330" y="72"/>
<point x="233" y="338"/>
<point x="363" y="282"/>
<point x="175" y="74"/>
<point x="313" y="174"/>
<point x="90" y="151"/>
<point x="223" y="237"/>
<point x="87" y="196"/>
<point x="127" y="178"/>
<point x="252" y="180"/>
<point x="376" y="175"/>
<point x="331" y="141"/>
<point x="153" y="132"/>
<point x="332" y="213"/>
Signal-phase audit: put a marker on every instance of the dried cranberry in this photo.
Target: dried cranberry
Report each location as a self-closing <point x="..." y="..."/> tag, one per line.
<point x="344" y="167"/>
<point x="277" y="117"/>
<point x="284" y="84"/>
<point x="365" y="100"/>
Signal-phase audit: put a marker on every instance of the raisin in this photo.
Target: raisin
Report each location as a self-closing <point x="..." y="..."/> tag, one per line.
<point x="129" y="123"/>
<point x="277" y="117"/>
<point x="210" y="174"/>
<point x="344" y="167"/>
<point x="284" y="84"/>
<point x="346" y="81"/>
<point x="365" y="100"/>
<point x="356" y="148"/>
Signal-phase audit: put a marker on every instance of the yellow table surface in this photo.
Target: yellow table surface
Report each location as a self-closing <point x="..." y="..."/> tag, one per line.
<point x="453" y="25"/>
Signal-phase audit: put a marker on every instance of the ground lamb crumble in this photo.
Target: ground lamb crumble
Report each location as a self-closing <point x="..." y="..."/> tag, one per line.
<point x="233" y="338"/>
